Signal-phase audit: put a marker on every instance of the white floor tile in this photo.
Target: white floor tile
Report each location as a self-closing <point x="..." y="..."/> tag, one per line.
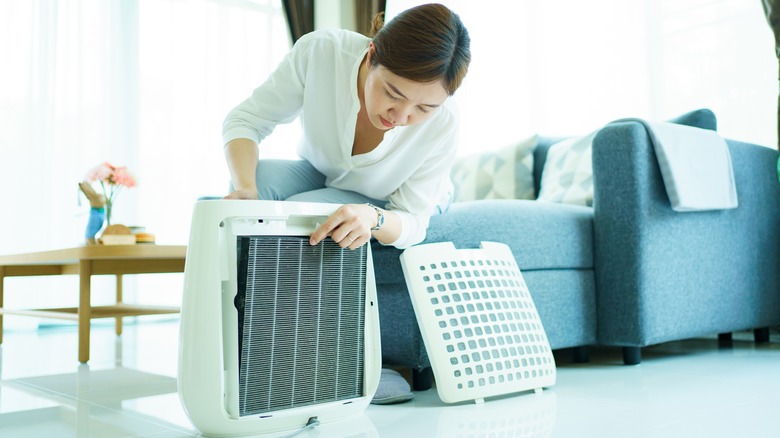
<point x="682" y="389"/>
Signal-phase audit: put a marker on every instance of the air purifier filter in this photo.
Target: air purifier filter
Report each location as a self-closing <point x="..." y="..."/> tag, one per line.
<point x="274" y="331"/>
<point x="479" y="324"/>
<point x="301" y="331"/>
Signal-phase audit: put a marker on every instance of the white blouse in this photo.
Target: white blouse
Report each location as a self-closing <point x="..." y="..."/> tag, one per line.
<point x="317" y="80"/>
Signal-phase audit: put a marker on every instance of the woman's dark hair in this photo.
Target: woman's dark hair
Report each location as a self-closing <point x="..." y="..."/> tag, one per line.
<point x="426" y="43"/>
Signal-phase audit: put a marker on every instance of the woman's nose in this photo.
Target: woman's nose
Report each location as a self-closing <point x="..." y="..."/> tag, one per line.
<point x="400" y="115"/>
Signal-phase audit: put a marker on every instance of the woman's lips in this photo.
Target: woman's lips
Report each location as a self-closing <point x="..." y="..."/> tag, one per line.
<point x="386" y="123"/>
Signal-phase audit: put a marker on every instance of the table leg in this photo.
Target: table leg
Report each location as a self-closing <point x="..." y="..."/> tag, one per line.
<point x="85" y="308"/>
<point x="2" y="280"/>
<point x="118" y="324"/>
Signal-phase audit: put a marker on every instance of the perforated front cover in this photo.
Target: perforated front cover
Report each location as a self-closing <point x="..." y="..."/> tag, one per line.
<point x="478" y="321"/>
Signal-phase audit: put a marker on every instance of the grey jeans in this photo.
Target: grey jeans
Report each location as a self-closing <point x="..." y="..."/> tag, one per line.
<point x="298" y="180"/>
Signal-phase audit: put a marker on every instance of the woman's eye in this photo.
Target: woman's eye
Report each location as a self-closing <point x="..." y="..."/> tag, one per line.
<point x="391" y="96"/>
<point x="422" y="110"/>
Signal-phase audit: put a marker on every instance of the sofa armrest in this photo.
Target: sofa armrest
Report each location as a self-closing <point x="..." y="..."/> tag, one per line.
<point x="663" y="275"/>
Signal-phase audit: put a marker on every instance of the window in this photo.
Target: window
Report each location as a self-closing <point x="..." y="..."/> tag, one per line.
<point x="144" y="83"/>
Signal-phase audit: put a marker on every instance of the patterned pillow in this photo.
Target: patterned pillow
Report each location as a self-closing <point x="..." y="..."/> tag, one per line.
<point x="568" y="173"/>
<point x="506" y="173"/>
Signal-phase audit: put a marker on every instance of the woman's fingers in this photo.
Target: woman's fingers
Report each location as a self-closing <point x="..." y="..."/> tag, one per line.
<point x="346" y="227"/>
<point x="243" y="194"/>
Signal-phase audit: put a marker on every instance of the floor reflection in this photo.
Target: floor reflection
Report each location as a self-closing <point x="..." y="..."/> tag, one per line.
<point x="524" y="416"/>
<point x="89" y="403"/>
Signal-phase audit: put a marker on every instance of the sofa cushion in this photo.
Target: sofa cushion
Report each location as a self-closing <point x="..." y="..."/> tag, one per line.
<point x="506" y="173"/>
<point x="568" y="172"/>
<point x="540" y="235"/>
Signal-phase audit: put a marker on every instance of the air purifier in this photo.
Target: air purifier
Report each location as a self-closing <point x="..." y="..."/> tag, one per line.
<point x="275" y="332"/>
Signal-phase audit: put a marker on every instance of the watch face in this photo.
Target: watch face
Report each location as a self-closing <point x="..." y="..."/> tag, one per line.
<point x="380" y="217"/>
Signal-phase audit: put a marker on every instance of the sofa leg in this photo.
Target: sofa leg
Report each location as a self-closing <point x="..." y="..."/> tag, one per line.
<point x="422" y="380"/>
<point x="580" y="355"/>
<point x="632" y="355"/>
<point x="761" y="335"/>
<point x="725" y="337"/>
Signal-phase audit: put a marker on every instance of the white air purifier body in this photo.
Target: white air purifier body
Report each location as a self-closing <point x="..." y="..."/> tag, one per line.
<point x="274" y="331"/>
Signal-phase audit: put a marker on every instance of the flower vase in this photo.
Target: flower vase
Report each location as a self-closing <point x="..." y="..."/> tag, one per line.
<point x="109" y="206"/>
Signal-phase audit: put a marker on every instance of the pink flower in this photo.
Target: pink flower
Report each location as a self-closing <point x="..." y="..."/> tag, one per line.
<point x="107" y="173"/>
<point x="123" y="178"/>
<point x="100" y="173"/>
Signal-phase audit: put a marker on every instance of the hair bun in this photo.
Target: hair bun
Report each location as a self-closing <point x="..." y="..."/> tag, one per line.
<point x="376" y="24"/>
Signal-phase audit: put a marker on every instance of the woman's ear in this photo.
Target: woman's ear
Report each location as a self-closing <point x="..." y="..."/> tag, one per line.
<point x="371" y="51"/>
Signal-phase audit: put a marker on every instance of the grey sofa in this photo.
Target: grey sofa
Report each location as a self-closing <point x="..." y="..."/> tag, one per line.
<point x="628" y="272"/>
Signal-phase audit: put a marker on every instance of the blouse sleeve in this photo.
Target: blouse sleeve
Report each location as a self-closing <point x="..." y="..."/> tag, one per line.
<point x="277" y="101"/>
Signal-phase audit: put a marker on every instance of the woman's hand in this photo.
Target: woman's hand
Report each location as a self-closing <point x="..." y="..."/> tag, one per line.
<point x="350" y="226"/>
<point x="243" y="194"/>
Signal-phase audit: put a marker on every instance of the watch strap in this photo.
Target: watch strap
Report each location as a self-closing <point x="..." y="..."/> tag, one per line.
<point x="380" y="217"/>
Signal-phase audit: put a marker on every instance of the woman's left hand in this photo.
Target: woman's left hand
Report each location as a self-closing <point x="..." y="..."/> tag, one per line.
<point x="350" y="226"/>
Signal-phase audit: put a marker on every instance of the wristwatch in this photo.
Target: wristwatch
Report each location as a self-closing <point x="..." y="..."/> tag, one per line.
<point x="380" y="217"/>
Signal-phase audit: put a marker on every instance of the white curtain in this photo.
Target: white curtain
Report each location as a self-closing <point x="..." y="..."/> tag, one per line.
<point x="138" y="83"/>
<point x="59" y="104"/>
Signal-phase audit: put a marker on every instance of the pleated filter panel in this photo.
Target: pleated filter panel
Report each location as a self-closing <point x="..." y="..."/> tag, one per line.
<point x="301" y="323"/>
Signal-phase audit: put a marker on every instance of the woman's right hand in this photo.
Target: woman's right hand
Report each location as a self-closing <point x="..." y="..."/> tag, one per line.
<point x="244" y="194"/>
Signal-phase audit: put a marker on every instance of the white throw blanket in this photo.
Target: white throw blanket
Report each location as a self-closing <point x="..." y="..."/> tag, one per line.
<point x="695" y="164"/>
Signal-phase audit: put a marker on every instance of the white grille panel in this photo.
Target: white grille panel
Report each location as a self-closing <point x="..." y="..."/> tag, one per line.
<point x="481" y="329"/>
<point x="301" y="322"/>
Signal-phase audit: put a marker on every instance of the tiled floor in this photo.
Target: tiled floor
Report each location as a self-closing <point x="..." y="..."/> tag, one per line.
<point x="692" y="388"/>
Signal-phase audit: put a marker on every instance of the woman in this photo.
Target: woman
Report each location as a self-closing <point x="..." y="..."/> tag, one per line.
<point x="379" y="128"/>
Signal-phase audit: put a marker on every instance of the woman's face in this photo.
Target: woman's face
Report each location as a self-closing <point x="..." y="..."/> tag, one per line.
<point x="395" y="101"/>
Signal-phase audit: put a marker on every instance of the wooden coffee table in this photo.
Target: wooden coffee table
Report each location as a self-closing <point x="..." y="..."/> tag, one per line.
<point x="87" y="261"/>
